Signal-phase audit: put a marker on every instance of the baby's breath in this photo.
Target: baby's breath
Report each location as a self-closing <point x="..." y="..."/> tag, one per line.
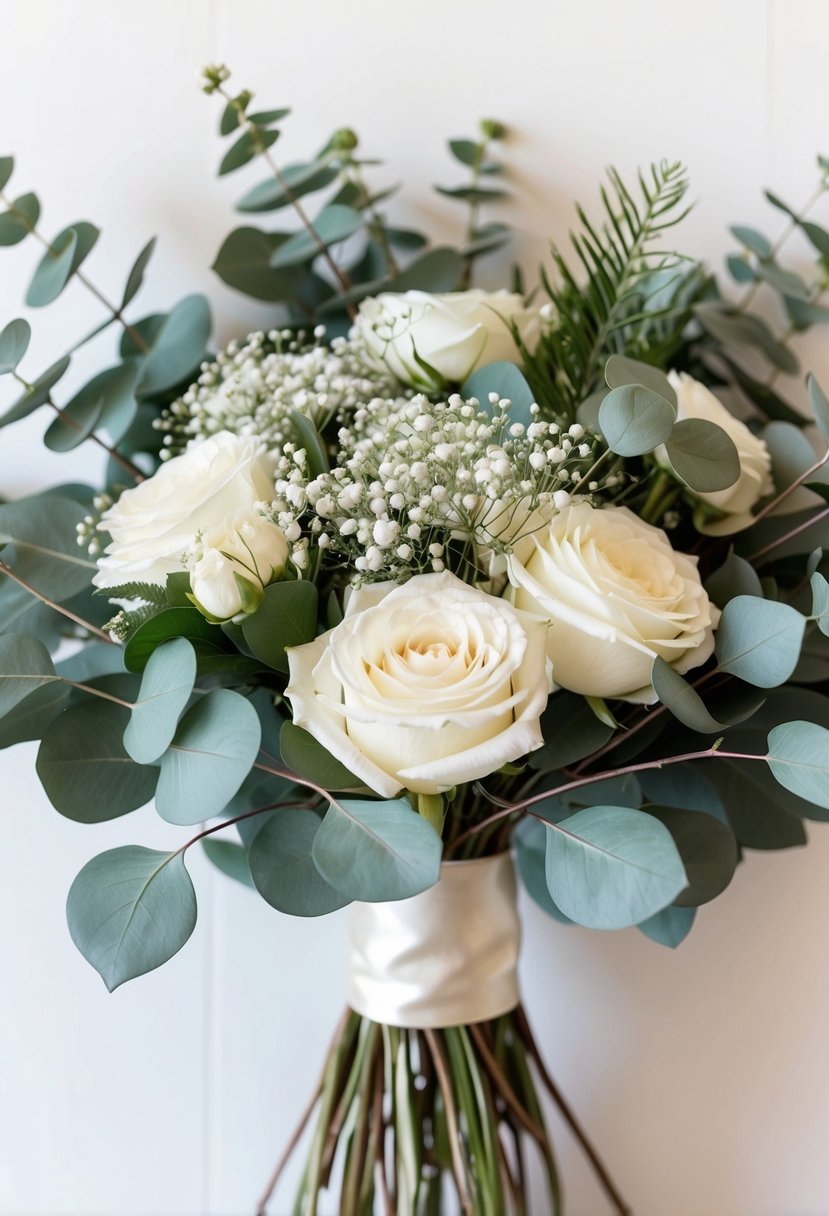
<point x="253" y="387"/>
<point x="426" y="486"/>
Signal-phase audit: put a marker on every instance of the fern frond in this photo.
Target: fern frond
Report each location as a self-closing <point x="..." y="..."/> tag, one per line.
<point x="125" y="622"/>
<point x="610" y="295"/>
<point x="149" y="593"/>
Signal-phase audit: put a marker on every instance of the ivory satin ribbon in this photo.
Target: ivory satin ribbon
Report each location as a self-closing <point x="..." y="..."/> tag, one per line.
<point x="446" y="957"/>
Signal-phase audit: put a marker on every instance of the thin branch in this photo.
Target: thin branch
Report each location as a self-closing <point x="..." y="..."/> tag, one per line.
<point x="781" y="540"/>
<point x="504" y="1088"/>
<point x="790" y="489"/>
<point x="116" y="313"/>
<point x="570" y="1119"/>
<point x="44" y="599"/>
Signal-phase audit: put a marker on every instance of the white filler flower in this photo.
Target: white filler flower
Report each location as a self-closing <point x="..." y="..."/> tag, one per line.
<point x="153" y="525"/>
<point x="617" y="595"/>
<point x="423" y="685"/>
<point x="452" y="334"/>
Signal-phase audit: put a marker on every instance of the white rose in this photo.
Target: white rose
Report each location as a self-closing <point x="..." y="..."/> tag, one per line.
<point x="234" y="563"/>
<point x="694" y="400"/>
<point x="617" y="595"/>
<point x="423" y="685"/>
<point x="154" y="524"/>
<point x="453" y="333"/>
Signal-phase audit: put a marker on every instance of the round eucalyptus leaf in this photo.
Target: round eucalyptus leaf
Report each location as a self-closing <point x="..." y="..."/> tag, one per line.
<point x="799" y="759"/>
<point x="530" y="839"/>
<point x="635" y="420"/>
<point x="708" y="850"/>
<point x="14" y="342"/>
<point x="166" y="686"/>
<point x="703" y="455"/>
<point x="25" y="665"/>
<point x="790" y="450"/>
<point x="610" y="867"/>
<point x="620" y="370"/>
<point x="213" y="750"/>
<point x="43" y="532"/>
<point x="20" y="219"/>
<point x="283" y="869"/>
<point x="84" y="769"/>
<point x="734" y="577"/>
<point x="759" y="640"/>
<point x="31" y="717"/>
<point x="229" y="857"/>
<point x="130" y="910"/>
<point x="506" y="380"/>
<point x="377" y="851"/>
<point x="669" y="927"/>
<point x="244" y="263"/>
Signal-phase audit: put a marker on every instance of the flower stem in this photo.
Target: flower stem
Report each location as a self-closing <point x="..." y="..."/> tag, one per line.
<point x="44" y="599"/>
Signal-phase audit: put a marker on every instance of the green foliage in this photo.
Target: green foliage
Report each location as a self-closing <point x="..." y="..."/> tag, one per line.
<point x="170" y="623"/>
<point x="530" y="841"/>
<point x="42" y="530"/>
<point x="166" y="686"/>
<point x="229" y="857"/>
<point x="506" y="380"/>
<point x="62" y="259"/>
<point x="635" y="420"/>
<point x="20" y="219"/>
<point x="609" y="867"/>
<point x="669" y="927"/>
<point x="286" y="617"/>
<point x="759" y="640"/>
<point x="213" y="750"/>
<point x="377" y="851"/>
<point x="283" y="867"/>
<point x="799" y="759"/>
<point x="14" y="342"/>
<point x="84" y="768"/>
<point x="130" y="910"/>
<point x="36" y="394"/>
<point x="177" y="346"/>
<point x="571" y="732"/>
<point x="108" y="401"/>
<point x="25" y="665"/>
<point x="621" y="295"/>
<point x="703" y="455"/>
<point x="135" y="278"/>
<point x="303" y="755"/>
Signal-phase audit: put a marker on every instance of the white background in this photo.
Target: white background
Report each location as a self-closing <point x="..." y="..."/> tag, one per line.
<point x="704" y="1074"/>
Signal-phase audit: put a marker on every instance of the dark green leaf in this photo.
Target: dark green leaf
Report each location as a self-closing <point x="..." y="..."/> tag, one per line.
<point x="171" y="623"/>
<point x="287" y="617"/>
<point x="130" y="910"/>
<point x="135" y="278"/>
<point x="669" y="927"/>
<point x="283" y="868"/>
<point x="817" y="398"/>
<point x="571" y="732"/>
<point x="681" y="699"/>
<point x="303" y="755"/>
<point x="439" y="270"/>
<point x="530" y="839"/>
<point x="178" y="347"/>
<point x="37" y="394"/>
<point x="6" y="170"/>
<point x="296" y="181"/>
<point x="708" y="850"/>
<point x="43" y="532"/>
<point x="243" y="262"/>
<point x="465" y="150"/>
<point x="247" y="146"/>
<point x="84" y="769"/>
<point x="742" y="330"/>
<point x="107" y="400"/>
<point x="229" y="857"/>
<point x="25" y="665"/>
<point x="472" y="194"/>
<point x="703" y="455"/>
<point x="19" y="220"/>
<point x="734" y="577"/>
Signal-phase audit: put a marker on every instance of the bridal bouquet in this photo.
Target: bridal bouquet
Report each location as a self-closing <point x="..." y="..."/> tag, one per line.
<point x="422" y="579"/>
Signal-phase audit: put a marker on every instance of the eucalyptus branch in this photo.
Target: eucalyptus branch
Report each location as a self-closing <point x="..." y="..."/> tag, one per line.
<point x="790" y="489"/>
<point x="111" y="308"/>
<point x="781" y="540"/>
<point x="126" y="464"/>
<point x="525" y="803"/>
<point x="44" y="599"/>
<point x="794" y="220"/>
<point x="262" y="150"/>
<point x="376" y="226"/>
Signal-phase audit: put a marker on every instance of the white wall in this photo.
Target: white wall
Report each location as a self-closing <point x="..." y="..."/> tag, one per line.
<point x="703" y="1074"/>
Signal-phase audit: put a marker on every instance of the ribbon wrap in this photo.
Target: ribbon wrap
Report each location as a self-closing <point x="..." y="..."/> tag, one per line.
<point x="446" y="957"/>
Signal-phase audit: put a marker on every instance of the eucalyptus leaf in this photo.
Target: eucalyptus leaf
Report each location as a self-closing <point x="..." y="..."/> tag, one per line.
<point x="247" y="146"/>
<point x="37" y="394"/>
<point x="635" y="420"/>
<point x="621" y="370"/>
<point x="744" y="330"/>
<point x="334" y="223"/>
<point x="506" y="380"/>
<point x="14" y="342"/>
<point x="6" y="170"/>
<point x="759" y="640"/>
<point x="438" y="270"/>
<point x="178" y="346"/>
<point x="135" y="279"/>
<point x="244" y="263"/>
<point x="571" y="732"/>
<point x="685" y="787"/>
<point x="107" y="400"/>
<point x="295" y="182"/>
<point x="752" y="239"/>
<point x="669" y="927"/>
<point x="171" y="623"/>
<point x="166" y="686"/>
<point x="31" y="717"/>
<point x="303" y="755"/>
<point x="229" y="857"/>
<point x="734" y="577"/>
<point x="611" y="867"/>
<point x="20" y="219"/>
<point x="708" y="850"/>
<point x="130" y="910"/>
<point x="53" y="271"/>
<point x="377" y="851"/>
<point x="799" y="759"/>
<point x="530" y="839"/>
<point x="703" y="455"/>
<point x="84" y="768"/>
<point x="820" y="602"/>
<point x="43" y="530"/>
<point x="213" y="750"/>
<point x="817" y="398"/>
<point x="286" y="617"/>
<point x="25" y="665"/>
<point x="283" y="868"/>
<point x="681" y="699"/>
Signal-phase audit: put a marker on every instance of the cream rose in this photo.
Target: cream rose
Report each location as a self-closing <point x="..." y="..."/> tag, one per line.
<point x="154" y="524"/>
<point x="617" y="595"/>
<point x="694" y="400"/>
<point x="423" y="685"/>
<point x="234" y="562"/>
<point x="453" y="333"/>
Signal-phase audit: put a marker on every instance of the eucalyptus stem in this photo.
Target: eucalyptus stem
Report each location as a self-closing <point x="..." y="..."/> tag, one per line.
<point x="781" y="540"/>
<point x="263" y="151"/>
<point x="115" y="312"/>
<point x="788" y="229"/>
<point x="126" y="464"/>
<point x="44" y="599"/>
